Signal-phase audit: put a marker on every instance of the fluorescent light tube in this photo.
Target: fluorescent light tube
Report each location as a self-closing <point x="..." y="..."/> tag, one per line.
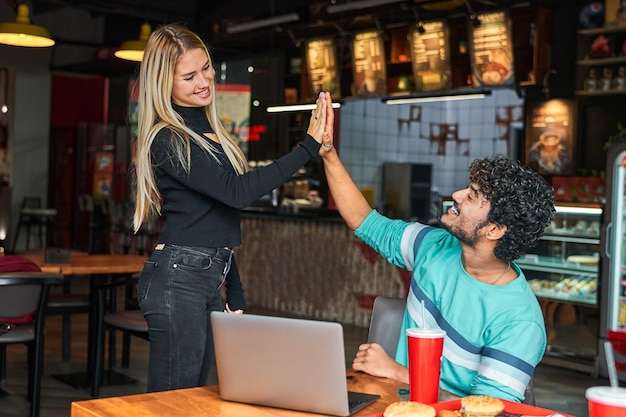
<point x="358" y="5"/>
<point x="261" y="23"/>
<point x="430" y="99"/>
<point x="296" y="107"/>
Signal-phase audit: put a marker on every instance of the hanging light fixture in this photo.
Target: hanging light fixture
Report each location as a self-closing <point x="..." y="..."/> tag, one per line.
<point x="23" y="33"/>
<point x="133" y="50"/>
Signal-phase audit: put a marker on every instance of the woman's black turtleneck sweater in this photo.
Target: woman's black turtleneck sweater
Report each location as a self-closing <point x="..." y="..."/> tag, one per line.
<point x="202" y="207"/>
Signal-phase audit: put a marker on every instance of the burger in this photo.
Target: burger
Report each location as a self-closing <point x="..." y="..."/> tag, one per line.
<point x="481" y="406"/>
<point x="409" y="409"/>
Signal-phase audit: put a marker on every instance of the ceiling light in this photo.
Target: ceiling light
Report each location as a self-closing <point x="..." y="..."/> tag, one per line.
<point x="358" y="5"/>
<point x="133" y="50"/>
<point x="450" y="95"/>
<point x="297" y="107"/>
<point x="256" y="24"/>
<point x="23" y="33"/>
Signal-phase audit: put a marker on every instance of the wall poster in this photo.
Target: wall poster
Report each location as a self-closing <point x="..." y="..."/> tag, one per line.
<point x="550" y="137"/>
<point x="430" y="54"/>
<point x="491" y="47"/>
<point x="322" y="66"/>
<point x="233" y="100"/>
<point x="370" y="75"/>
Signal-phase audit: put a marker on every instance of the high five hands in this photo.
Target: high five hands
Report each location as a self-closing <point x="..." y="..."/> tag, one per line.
<point x="322" y="122"/>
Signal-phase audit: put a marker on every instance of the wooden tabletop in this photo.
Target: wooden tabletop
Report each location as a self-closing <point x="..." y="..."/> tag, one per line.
<point x="206" y="401"/>
<point x="82" y="263"/>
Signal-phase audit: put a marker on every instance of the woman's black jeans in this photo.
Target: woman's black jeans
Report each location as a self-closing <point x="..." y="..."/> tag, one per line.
<point x="178" y="289"/>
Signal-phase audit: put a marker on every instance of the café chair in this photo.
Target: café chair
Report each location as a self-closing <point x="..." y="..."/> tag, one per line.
<point x="385" y="326"/>
<point x="33" y="215"/>
<point x="66" y="304"/>
<point x="130" y="321"/>
<point x="385" y="323"/>
<point x="23" y="293"/>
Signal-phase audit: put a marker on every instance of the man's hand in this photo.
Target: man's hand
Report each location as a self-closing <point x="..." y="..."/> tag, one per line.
<point x="372" y="359"/>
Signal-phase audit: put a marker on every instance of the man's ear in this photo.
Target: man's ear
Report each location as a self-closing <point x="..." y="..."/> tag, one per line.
<point x="495" y="232"/>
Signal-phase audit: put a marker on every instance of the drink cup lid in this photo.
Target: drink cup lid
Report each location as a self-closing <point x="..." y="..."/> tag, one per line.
<point x="425" y="332"/>
<point x="615" y="397"/>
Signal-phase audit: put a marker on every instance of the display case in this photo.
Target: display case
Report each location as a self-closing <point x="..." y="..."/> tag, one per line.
<point x="563" y="271"/>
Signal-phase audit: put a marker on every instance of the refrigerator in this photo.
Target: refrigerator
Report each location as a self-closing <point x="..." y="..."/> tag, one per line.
<point x="613" y="252"/>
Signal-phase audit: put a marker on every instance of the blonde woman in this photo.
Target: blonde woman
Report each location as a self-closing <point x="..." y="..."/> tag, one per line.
<point x="193" y="174"/>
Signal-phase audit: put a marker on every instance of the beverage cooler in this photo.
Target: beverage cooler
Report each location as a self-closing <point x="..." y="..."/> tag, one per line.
<point x="613" y="288"/>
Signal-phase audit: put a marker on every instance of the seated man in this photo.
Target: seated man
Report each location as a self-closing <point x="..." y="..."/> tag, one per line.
<point x="464" y="273"/>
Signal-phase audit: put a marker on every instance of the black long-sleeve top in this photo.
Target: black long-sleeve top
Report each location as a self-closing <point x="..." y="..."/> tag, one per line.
<point x="202" y="208"/>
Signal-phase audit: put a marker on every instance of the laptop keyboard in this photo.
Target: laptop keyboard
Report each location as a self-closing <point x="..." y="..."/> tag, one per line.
<point x="359" y="400"/>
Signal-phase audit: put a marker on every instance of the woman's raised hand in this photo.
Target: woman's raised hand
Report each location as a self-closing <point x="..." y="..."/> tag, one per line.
<point x="317" y="123"/>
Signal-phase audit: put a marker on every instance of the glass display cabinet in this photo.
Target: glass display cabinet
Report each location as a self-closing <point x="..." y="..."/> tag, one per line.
<point x="563" y="271"/>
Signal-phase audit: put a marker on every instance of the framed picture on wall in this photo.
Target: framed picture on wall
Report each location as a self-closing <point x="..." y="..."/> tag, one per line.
<point x="550" y="139"/>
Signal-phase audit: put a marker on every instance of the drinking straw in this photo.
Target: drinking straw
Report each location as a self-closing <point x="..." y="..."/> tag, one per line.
<point x="424" y="315"/>
<point x="610" y="364"/>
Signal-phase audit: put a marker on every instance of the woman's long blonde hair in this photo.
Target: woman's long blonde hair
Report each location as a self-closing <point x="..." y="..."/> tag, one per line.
<point x="155" y="111"/>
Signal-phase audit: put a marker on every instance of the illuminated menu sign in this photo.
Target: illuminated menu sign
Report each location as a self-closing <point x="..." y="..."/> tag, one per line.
<point x="370" y="75"/>
<point x="322" y="65"/>
<point x="430" y="53"/>
<point x="492" y="50"/>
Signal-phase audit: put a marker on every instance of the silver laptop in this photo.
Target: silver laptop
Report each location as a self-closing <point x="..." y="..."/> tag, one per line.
<point x="283" y="362"/>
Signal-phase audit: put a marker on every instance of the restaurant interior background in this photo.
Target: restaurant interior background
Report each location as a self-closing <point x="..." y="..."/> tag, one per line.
<point x="68" y="140"/>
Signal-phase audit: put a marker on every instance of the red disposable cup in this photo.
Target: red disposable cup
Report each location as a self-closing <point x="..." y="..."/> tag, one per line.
<point x="425" y="349"/>
<point x="606" y="401"/>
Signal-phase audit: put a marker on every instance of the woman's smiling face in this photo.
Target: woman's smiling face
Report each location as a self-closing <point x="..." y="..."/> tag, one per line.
<point x="193" y="78"/>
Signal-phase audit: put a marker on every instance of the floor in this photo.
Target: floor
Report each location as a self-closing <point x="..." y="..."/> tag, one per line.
<point x="555" y="388"/>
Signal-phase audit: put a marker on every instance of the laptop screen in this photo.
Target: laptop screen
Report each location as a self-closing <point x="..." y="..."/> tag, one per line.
<point x="281" y="362"/>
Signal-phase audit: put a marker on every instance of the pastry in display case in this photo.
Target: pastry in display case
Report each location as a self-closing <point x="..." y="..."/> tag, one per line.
<point x="564" y="266"/>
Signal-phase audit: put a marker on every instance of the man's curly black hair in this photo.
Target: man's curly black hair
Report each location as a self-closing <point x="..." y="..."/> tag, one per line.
<point x="521" y="199"/>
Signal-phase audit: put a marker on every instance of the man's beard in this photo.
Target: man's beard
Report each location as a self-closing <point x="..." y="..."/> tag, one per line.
<point x="470" y="238"/>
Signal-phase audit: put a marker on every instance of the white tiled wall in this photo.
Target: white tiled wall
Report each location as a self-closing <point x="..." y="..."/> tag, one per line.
<point x="372" y="132"/>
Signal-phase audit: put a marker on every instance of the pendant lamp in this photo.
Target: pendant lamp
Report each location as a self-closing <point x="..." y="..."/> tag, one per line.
<point x="133" y="50"/>
<point x="23" y="33"/>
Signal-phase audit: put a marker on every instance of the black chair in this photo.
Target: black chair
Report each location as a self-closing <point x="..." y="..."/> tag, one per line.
<point x="130" y="321"/>
<point x="385" y="326"/>
<point x="22" y="293"/>
<point x="67" y="304"/>
<point x="28" y="219"/>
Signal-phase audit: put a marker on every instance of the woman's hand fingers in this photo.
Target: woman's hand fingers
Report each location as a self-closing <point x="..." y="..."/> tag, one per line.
<point x="318" y="118"/>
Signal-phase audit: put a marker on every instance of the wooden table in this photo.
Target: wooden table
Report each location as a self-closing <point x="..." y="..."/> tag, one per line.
<point x="206" y="401"/>
<point x="100" y="269"/>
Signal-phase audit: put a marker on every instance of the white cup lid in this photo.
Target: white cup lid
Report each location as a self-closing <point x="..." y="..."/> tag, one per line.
<point x="615" y="397"/>
<point x="426" y="333"/>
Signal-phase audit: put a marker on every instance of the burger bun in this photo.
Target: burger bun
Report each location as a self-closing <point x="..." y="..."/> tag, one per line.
<point x="409" y="409"/>
<point x="481" y="406"/>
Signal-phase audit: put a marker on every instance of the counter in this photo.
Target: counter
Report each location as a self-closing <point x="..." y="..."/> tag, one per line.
<point x="313" y="267"/>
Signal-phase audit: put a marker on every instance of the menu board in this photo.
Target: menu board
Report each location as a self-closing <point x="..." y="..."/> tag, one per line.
<point x="322" y="65"/>
<point x="370" y="75"/>
<point x="430" y="53"/>
<point x="492" y="50"/>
